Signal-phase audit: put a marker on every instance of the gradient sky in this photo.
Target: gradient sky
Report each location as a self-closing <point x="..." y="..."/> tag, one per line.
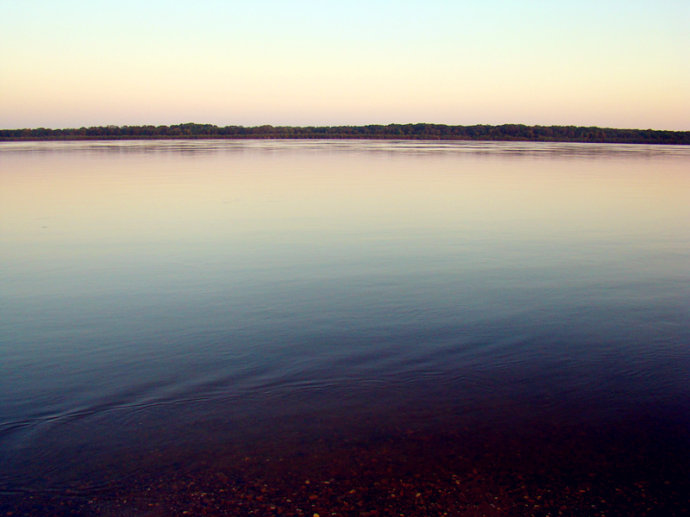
<point x="614" y="63"/>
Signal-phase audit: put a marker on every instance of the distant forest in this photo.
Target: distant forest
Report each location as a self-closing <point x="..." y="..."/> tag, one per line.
<point x="511" y="132"/>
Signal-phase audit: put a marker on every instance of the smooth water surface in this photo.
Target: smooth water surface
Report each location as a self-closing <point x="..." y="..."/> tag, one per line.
<point x="163" y="301"/>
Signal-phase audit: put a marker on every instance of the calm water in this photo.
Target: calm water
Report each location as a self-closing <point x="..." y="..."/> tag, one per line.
<point x="517" y="313"/>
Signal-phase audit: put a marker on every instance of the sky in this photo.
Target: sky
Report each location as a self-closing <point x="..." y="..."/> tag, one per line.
<point x="611" y="63"/>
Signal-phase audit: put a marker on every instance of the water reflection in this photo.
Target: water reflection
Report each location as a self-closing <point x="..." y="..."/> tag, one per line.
<point x="198" y="292"/>
<point x="562" y="149"/>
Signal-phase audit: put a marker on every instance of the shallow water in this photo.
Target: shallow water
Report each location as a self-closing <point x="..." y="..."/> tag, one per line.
<point x="177" y="310"/>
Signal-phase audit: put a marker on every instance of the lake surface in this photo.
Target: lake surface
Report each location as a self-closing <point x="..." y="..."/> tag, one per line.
<point x="343" y="327"/>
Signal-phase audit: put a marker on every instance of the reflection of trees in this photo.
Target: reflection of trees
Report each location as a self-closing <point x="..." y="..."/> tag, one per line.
<point x="515" y="132"/>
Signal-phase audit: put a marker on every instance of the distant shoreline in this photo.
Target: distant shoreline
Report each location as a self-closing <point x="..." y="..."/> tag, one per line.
<point x="505" y="132"/>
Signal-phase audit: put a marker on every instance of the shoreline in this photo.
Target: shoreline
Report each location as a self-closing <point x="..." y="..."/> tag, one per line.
<point x="192" y="138"/>
<point x="433" y="132"/>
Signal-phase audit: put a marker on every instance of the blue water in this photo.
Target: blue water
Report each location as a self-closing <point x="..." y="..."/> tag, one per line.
<point x="168" y="296"/>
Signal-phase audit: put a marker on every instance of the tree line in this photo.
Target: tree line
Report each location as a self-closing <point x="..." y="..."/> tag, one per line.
<point x="510" y="132"/>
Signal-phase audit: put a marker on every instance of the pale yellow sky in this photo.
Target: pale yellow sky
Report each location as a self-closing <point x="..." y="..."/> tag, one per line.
<point x="606" y="63"/>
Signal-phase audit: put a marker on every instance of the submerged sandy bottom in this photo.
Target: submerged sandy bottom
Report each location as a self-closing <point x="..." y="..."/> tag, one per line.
<point x="636" y="466"/>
